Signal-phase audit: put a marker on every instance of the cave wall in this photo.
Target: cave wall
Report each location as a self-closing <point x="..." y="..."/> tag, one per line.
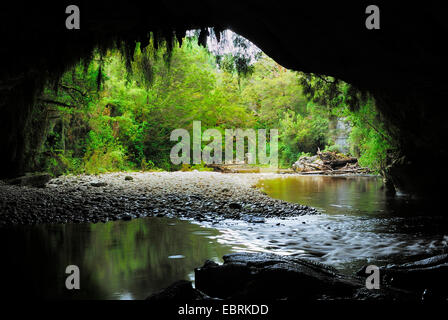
<point x="403" y="64"/>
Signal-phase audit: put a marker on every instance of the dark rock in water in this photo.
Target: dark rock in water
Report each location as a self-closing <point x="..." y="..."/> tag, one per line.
<point x="425" y="276"/>
<point x="128" y="178"/>
<point x="38" y="180"/>
<point x="181" y="290"/>
<point x="98" y="184"/>
<point x="273" y="277"/>
<point x="235" y="205"/>
<point x="210" y="263"/>
<point x="221" y="281"/>
<point x="362" y="272"/>
<point x="253" y="219"/>
<point x="428" y="262"/>
<point x="199" y="217"/>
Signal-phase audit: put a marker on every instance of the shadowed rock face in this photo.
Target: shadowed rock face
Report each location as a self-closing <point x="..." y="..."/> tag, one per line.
<point x="424" y="275"/>
<point x="403" y="65"/>
<point x="272" y="277"/>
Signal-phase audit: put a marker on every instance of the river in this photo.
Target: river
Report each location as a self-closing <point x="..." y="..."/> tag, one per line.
<point x="131" y="260"/>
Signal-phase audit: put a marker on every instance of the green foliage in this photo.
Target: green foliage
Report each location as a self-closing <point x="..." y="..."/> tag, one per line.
<point x="369" y="139"/>
<point x="198" y="167"/>
<point x="126" y="125"/>
<point x="201" y="167"/>
<point x="277" y="99"/>
<point x="333" y="148"/>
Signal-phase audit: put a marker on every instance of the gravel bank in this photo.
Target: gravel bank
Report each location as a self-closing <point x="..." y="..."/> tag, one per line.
<point x="202" y="196"/>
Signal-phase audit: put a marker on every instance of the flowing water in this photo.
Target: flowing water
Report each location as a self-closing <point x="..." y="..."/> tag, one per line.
<point x="359" y="224"/>
<point x="130" y="260"/>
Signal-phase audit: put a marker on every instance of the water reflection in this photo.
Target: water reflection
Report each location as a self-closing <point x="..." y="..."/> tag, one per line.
<point x="354" y="195"/>
<point x="117" y="260"/>
<point x="130" y="260"/>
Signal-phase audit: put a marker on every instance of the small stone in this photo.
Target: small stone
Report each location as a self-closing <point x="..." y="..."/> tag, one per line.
<point x="235" y="205"/>
<point x="98" y="184"/>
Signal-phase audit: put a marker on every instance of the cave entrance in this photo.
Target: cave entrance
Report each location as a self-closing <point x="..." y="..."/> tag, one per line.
<point x="405" y="82"/>
<point x="119" y="110"/>
<point x="96" y="107"/>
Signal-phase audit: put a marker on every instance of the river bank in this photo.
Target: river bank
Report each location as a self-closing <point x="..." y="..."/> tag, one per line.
<point x="202" y="196"/>
<point x="192" y="217"/>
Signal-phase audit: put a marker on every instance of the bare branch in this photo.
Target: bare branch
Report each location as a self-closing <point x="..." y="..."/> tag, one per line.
<point x="58" y="103"/>
<point x="63" y="86"/>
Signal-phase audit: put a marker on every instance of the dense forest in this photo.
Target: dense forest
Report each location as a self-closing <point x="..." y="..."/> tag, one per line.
<point x="115" y="113"/>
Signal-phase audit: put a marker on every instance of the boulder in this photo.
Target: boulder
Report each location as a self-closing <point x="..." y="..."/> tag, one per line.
<point x="181" y="290"/>
<point x="235" y="205"/>
<point x="426" y="276"/>
<point x="98" y="184"/>
<point x="270" y="277"/>
<point x="274" y="277"/>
